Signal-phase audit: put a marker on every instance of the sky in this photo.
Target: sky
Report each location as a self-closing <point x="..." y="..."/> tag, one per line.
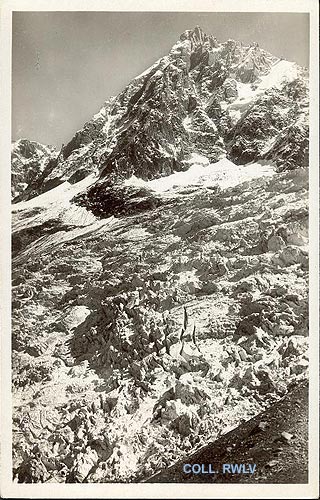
<point x="66" y="64"/>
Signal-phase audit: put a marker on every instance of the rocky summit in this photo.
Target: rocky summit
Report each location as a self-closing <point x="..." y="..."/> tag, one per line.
<point x="160" y="266"/>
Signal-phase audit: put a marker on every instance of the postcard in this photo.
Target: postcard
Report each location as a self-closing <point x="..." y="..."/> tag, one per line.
<point x="159" y="272"/>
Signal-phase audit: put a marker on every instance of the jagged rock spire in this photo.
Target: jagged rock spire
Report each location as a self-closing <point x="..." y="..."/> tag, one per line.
<point x="198" y="37"/>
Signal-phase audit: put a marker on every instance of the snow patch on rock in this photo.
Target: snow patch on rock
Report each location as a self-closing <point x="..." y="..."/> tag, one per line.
<point x="224" y="174"/>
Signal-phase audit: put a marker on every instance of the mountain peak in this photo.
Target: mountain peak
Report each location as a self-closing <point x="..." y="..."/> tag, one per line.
<point x="206" y="88"/>
<point x="197" y="31"/>
<point x="198" y="37"/>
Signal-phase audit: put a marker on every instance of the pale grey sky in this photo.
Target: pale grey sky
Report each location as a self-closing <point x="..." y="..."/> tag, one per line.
<point x="66" y="64"/>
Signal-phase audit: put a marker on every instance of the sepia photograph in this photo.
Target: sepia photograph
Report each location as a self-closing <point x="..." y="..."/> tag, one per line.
<point x="160" y="280"/>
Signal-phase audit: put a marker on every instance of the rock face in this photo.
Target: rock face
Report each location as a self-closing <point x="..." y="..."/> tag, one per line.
<point x="105" y="199"/>
<point x="160" y="296"/>
<point x="29" y="159"/>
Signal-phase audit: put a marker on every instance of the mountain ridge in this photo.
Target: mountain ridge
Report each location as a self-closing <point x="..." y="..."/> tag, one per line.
<point x="195" y="99"/>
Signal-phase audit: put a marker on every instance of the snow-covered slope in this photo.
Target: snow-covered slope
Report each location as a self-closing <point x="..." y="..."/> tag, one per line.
<point x="140" y="337"/>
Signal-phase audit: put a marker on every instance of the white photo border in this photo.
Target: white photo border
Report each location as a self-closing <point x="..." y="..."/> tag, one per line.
<point x="144" y="490"/>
